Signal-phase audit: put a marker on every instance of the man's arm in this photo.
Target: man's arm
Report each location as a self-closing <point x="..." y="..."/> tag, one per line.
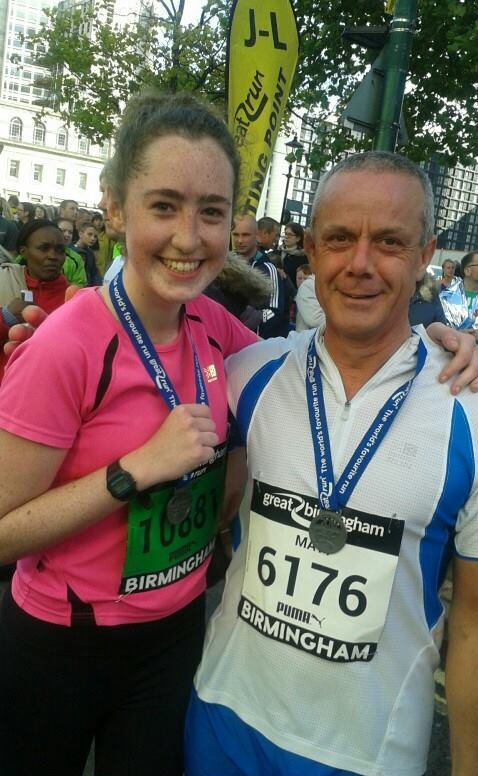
<point x="462" y="669"/>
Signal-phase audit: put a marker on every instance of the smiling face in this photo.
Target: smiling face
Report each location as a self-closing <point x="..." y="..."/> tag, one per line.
<point x="176" y="217"/>
<point x="44" y="253"/>
<point x="366" y="253"/>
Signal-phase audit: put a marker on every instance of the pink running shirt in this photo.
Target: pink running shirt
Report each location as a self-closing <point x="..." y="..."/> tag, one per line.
<point x="79" y="385"/>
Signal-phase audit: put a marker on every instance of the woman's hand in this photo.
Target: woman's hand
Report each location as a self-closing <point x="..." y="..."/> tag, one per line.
<point x="185" y="441"/>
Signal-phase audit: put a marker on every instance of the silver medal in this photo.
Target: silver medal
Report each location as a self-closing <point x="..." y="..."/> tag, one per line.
<point x="327" y="531"/>
<point x="179" y="506"/>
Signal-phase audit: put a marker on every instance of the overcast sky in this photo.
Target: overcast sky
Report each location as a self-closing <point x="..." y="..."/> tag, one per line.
<point x="192" y="11"/>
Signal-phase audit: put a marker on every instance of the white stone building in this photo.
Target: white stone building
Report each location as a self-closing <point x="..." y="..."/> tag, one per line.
<point x="41" y="160"/>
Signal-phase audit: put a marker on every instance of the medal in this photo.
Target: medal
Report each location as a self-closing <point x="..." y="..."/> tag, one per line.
<point x="327" y="531"/>
<point x="179" y="506"/>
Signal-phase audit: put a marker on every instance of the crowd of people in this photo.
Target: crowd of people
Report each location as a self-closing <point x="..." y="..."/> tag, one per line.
<point x="101" y="245"/>
<point x="458" y="293"/>
<point x="145" y="420"/>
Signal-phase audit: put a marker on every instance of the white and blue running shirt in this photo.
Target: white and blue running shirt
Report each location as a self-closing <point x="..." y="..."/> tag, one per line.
<point x="331" y="657"/>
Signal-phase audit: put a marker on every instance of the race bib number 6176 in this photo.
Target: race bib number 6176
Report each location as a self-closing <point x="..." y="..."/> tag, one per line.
<point x="333" y="606"/>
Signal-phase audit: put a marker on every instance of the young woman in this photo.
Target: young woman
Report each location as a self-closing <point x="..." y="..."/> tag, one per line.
<point x="293" y="255"/>
<point x="112" y="470"/>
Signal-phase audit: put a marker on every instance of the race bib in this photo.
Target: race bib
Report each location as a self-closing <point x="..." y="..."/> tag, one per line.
<point x="332" y="606"/>
<point x="159" y="552"/>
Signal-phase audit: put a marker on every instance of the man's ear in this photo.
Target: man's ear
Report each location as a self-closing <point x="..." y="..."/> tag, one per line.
<point x="426" y="256"/>
<point x="115" y="213"/>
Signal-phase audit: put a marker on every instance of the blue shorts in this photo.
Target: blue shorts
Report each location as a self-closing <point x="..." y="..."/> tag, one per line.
<point x="218" y="743"/>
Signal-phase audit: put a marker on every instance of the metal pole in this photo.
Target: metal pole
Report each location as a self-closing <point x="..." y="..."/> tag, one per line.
<point x="288" y="176"/>
<point x="396" y="60"/>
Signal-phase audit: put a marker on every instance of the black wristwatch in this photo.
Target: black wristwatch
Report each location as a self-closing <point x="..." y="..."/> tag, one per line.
<point x="120" y="483"/>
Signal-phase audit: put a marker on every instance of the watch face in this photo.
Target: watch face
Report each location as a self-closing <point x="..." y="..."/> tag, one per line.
<point x="120" y="483"/>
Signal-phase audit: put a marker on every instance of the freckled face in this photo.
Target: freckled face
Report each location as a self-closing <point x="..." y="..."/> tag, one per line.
<point x="176" y="218"/>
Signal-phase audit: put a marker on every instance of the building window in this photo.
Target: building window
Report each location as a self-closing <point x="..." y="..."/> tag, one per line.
<point x="60" y="176"/>
<point x="14" y="168"/>
<point x="37" y="172"/>
<point x="39" y="134"/>
<point x="83" y="145"/>
<point x="62" y="139"/>
<point x="82" y="183"/>
<point x="16" y="129"/>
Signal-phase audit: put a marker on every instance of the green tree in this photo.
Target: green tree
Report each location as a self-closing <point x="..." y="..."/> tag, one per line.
<point x="94" y="65"/>
<point x="94" y="74"/>
<point x="441" y="104"/>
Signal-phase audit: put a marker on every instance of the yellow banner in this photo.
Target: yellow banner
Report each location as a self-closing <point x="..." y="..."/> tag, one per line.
<point x="389" y="5"/>
<point x="262" y="57"/>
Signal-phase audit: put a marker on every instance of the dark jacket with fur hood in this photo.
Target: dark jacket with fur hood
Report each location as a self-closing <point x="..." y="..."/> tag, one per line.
<point x="239" y="285"/>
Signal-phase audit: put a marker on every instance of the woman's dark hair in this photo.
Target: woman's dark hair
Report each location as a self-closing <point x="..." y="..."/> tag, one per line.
<point x="151" y="115"/>
<point x="298" y="230"/>
<point x="30" y="228"/>
<point x="13" y="200"/>
<point x="29" y="210"/>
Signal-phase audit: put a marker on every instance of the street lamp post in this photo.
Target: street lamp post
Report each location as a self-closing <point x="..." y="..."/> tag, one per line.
<point x="291" y="157"/>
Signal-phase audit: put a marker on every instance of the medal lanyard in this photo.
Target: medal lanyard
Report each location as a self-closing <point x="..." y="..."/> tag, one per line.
<point x="334" y="496"/>
<point x="143" y="346"/>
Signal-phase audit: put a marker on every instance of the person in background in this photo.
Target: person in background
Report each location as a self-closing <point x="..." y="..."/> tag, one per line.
<point x="83" y="216"/>
<point x="13" y="203"/>
<point x="268" y="230"/>
<point x="448" y="275"/>
<point x="272" y="321"/>
<point x="103" y="248"/>
<point x="469" y="271"/>
<point x="38" y="279"/>
<point x="25" y="212"/>
<point x="425" y="305"/>
<point x="74" y="266"/>
<point x="303" y="272"/>
<point x="83" y="246"/>
<point x="309" y="313"/>
<point x="293" y="254"/>
<point x="453" y="298"/>
<point x="119" y="249"/>
<point x="8" y="230"/>
<point x="40" y="213"/>
<point x="68" y="208"/>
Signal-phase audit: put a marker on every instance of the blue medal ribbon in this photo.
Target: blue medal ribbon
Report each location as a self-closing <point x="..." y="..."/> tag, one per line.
<point x="333" y="496"/>
<point x="144" y="347"/>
